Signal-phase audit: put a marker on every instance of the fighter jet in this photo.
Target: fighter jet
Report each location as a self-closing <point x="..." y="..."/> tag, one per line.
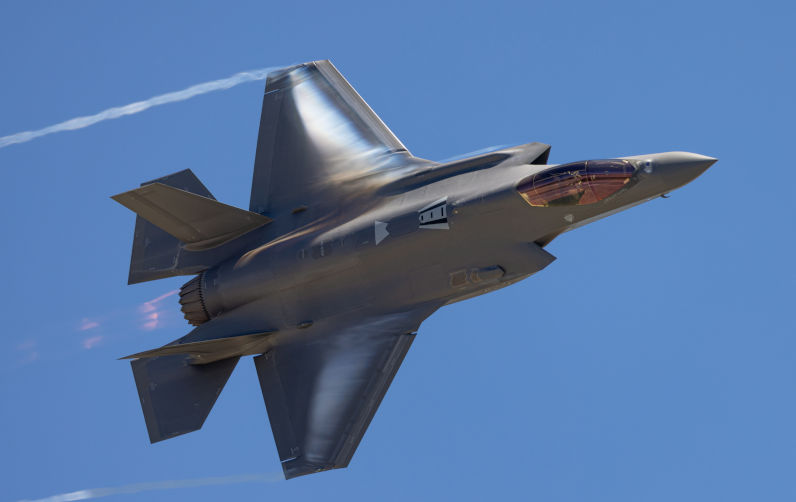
<point x="349" y="243"/>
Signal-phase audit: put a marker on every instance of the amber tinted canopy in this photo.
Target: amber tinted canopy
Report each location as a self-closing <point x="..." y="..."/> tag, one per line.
<point x="576" y="184"/>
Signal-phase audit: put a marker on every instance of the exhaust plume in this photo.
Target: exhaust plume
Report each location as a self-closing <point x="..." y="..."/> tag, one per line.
<point x="94" y="493"/>
<point x="139" y="106"/>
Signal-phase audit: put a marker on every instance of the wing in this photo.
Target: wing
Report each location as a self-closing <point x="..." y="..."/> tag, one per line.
<point x="321" y="392"/>
<point x="317" y="136"/>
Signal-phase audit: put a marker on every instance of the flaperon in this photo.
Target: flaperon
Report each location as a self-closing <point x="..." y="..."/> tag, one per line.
<point x="349" y="243"/>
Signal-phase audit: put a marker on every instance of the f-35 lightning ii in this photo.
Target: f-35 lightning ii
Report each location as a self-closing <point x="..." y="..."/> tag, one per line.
<point x="349" y="243"/>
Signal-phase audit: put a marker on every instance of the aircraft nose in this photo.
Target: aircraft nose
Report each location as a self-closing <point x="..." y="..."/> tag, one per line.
<point x="675" y="169"/>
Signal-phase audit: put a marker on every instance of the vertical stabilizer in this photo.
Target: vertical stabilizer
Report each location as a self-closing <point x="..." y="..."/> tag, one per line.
<point x="156" y="254"/>
<point x="176" y="396"/>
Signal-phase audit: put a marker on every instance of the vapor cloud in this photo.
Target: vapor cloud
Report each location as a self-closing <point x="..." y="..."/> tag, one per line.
<point x="91" y="342"/>
<point x="151" y="304"/>
<point x="94" y="493"/>
<point x="139" y="106"/>
<point x="151" y="321"/>
<point x="28" y="347"/>
<point x="87" y="324"/>
<point x="151" y="312"/>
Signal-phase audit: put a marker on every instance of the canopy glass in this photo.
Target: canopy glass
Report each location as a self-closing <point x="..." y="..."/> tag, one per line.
<point x="576" y="184"/>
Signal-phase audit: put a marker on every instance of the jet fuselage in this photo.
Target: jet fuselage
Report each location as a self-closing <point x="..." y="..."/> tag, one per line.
<point x="483" y="236"/>
<point x="350" y="242"/>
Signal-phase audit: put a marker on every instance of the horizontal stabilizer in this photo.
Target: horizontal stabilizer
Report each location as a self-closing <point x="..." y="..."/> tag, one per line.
<point x="199" y="222"/>
<point x="205" y="351"/>
<point x="177" y="396"/>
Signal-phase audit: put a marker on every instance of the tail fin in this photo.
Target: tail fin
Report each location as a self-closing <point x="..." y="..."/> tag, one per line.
<point x="176" y="396"/>
<point x="177" y="213"/>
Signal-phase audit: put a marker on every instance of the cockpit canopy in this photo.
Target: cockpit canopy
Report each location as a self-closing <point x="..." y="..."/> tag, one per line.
<point x="576" y="184"/>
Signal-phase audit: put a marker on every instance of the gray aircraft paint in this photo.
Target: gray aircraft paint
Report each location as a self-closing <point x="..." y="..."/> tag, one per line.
<point x="349" y="244"/>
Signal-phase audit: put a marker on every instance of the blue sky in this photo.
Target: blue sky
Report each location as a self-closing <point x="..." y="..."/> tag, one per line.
<point x="655" y="360"/>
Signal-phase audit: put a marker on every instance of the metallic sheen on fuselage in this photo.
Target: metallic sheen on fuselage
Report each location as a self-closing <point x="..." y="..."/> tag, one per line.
<point x="349" y="243"/>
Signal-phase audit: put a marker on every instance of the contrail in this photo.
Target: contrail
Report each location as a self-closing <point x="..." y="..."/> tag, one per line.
<point x="140" y="106"/>
<point x="94" y="493"/>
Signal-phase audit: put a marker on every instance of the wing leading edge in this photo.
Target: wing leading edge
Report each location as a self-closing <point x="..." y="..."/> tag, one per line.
<point x="321" y="393"/>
